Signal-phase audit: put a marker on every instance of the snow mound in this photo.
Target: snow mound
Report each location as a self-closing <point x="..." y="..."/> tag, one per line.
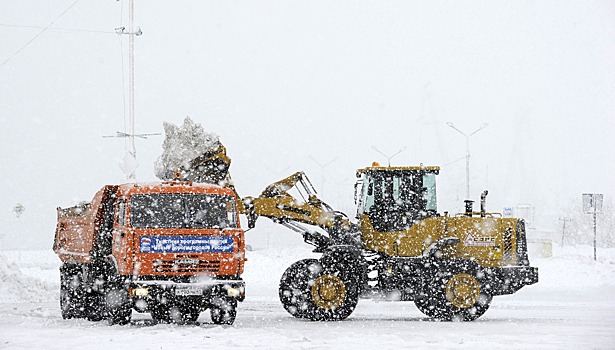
<point x="16" y="287"/>
<point x="575" y="268"/>
<point x="181" y="146"/>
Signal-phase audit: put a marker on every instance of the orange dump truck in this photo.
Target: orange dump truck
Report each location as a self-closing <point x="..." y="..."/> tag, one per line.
<point x="172" y="249"/>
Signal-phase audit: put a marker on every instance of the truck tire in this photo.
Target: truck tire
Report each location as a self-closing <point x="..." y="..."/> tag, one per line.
<point x="189" y="313"/>
<point x="71" y="292"/>
<point x="294" y="290"/>
<point x="180" y="314"/>
<point x="94" y="306"/>
<point x="223" y="310"/>
<point x="117" y="305"/>
<point x="160" y="314"/>
<point x="454" y="292"/>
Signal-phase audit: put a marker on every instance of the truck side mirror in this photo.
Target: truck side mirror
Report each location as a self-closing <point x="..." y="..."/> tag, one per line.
<point x="251" y="215"/>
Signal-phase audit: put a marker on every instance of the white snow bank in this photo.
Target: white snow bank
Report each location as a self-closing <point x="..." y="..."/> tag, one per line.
<point x="574" y="267"/>
<point x="32" y="276"/>
<point x="17" y="286"/>
<point x="181" y="145"/>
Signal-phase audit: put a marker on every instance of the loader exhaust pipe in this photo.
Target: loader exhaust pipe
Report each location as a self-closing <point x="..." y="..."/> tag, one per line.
<point x="469" y="203"/>
<point x="483" y="200"/>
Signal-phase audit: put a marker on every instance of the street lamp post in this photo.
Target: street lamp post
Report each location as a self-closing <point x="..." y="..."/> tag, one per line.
<point x="467" y="136"/>
<point x="322" y="172"/>
<point x="387" y="156"/>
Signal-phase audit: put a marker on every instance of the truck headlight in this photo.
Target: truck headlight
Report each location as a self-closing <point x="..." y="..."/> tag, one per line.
<point x="139" y="292"/>
<point x="232" y="292"/>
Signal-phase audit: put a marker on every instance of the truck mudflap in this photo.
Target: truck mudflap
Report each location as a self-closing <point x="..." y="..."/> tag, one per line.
<point x="509" y="279"/>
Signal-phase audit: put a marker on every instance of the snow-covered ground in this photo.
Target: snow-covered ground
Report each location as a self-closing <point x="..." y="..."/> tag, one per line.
<point x="573" y="306"/>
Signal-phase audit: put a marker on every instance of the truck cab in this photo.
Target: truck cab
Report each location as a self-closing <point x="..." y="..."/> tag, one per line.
<point x="172" y="249"/>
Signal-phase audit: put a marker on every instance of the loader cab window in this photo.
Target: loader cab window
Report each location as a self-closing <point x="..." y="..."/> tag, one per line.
<point x="366" y="195"/>
<point x="429" y="185"/>
<point x="394" y="200"/>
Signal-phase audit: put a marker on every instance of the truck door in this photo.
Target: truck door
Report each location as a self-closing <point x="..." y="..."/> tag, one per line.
<point x="103" y="244"/>
<point x="122" y="236"/>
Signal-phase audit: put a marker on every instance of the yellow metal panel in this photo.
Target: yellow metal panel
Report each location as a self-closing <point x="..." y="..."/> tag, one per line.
<point x="489" y="240"/>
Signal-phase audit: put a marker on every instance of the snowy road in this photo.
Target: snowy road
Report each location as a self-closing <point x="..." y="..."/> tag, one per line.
<point x="572" y="307"/>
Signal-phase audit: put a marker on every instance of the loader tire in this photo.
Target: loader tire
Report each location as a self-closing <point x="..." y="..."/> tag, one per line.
<point x="295" y="288"/>
<point x="454" y="292"/>
<point x="335" y="291"/>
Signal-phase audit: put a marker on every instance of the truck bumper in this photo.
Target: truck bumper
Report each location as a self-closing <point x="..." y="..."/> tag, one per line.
<point x="203" y="290"/>
<point x="509" y="279"/>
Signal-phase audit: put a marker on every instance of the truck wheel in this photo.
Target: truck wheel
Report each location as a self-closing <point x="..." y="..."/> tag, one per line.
<point x="71" y="293"/>
<point x="223" y="310"/>
<point x="66" y="303"/>
<point x="454" y="293"/>
<point x="181" y="314"/>
<point x="118" y="306"/>
<point x="160" y="314"/>
<point x="189" y="314"/>
<point x="335" y="292"/>
<point x="94" y="306"/>
<point x="294" y="291"/>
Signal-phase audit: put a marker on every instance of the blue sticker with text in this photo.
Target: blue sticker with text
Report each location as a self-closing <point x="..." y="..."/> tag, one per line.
<point x="186" y="244"/>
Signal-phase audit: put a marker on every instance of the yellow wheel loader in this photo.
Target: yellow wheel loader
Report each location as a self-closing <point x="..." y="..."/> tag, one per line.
<point x="401" y="248"/>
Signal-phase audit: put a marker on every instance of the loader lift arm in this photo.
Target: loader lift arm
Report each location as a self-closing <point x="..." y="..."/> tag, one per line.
<point x="276" y="203"/>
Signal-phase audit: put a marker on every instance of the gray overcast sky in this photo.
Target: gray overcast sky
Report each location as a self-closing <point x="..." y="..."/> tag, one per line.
<point x="282" y="82"/>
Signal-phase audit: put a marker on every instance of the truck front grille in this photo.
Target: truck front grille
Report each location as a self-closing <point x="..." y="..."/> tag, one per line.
<point x="186" y="264"/>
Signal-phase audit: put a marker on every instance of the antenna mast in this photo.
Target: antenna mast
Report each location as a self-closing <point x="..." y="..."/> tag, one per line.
<point x="129" y="164"/>
<point x="131" y="58"/>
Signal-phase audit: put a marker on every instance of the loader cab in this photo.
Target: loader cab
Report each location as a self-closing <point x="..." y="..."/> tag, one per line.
<point x="394" y="198"/>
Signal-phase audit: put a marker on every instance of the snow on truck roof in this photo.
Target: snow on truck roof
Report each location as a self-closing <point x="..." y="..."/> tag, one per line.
<point x="173" y="187"/>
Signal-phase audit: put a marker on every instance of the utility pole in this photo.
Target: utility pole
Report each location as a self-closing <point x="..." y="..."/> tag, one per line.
<point x="564" y="220"/>
<point x="592" y="204"/>
<point x="467" y="136"/>
<point x="595" y="234"/>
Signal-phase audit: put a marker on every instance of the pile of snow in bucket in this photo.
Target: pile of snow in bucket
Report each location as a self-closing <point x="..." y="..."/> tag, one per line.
<point x="182" y="145"/>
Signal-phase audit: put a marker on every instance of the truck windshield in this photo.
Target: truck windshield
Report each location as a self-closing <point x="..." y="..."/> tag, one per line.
<point x="182" y="211"/>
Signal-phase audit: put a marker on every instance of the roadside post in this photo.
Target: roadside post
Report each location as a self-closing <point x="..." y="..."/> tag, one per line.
<point x="564" y="220"/>
<point x="592" y="204"/>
